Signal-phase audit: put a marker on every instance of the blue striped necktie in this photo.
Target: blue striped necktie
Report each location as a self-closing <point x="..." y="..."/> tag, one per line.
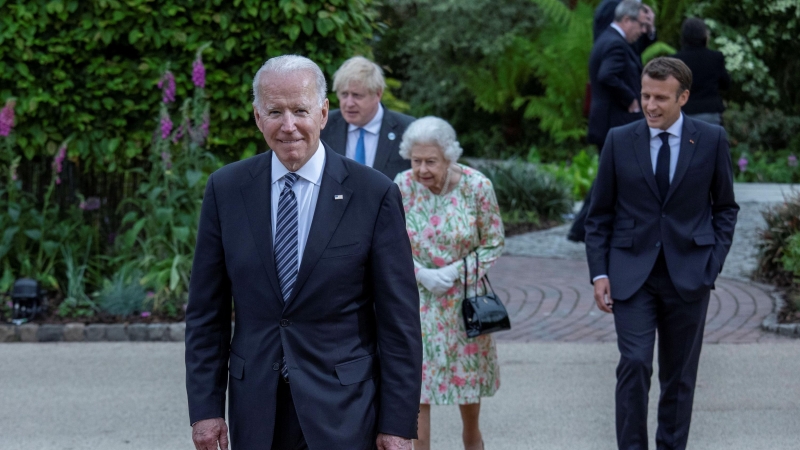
<point x="286" y="245"/>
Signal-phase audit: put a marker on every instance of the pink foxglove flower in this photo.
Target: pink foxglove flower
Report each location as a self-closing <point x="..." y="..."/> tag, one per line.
<point x="58" y="161"/>
<point x="167" y="85"/>
<point x="166" y="125"/>
<point x="199" y="72"/>
<point x="742" y="164"/>
<point x="7" y="117"/>
<point x="167" y="159"/>
<point x="90" y="204"/>
<point x="792" y="160"/>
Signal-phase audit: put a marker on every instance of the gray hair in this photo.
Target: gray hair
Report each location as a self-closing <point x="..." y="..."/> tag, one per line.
<point x="359" y="70"/>
<point x="628" y="8"/>
<point x="290" y="64"/>
<point x="431" y="130"/>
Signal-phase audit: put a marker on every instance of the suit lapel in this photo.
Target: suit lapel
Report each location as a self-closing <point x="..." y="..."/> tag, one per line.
<point x="689" y="139"/>
<point x="257" y="196"/>
<point x="327" y="215"/>
<point x="388" y="125"/>
<point x="641" y="147"/>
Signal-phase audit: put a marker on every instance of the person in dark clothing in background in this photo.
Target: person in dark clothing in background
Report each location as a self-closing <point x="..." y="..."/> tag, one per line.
<point x="708" y="71"/>
<point x="604" y="15"/>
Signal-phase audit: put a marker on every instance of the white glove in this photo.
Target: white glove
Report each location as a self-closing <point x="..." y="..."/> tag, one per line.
<point x="437" y="281"/>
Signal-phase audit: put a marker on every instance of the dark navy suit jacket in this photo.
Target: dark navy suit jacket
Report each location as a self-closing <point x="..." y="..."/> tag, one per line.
<point x="350" y="331"/>
<point x="387" y="157"/>
<point x="628" y="223"/>
<point x="615" y="75"/>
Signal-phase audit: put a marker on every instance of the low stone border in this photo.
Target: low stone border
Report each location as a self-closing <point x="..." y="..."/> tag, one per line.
<point x="79" y="332"/>
<point x="770" y="323"/>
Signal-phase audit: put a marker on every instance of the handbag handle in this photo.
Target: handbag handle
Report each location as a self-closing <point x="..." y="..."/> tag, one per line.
<point x="484" y="279"/>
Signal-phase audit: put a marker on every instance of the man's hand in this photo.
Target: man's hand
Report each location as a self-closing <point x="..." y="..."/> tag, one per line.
<point x="389" y="442"/>
<point x="602" y="295"/>
<point x="206" y="434"/>
<point x="649" y="21"/>
<point x="634" y="107"/>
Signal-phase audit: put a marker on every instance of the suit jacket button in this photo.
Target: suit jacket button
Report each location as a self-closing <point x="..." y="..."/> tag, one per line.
<point x="276" y="366"/>
<point x="658" y="244"/>
<point x="284" y="323"/>
<point x="663" y="215"/>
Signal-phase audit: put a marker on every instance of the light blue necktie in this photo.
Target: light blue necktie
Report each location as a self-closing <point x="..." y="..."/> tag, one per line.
<point x="360" y="152"/>
<point x="286" y="245"/>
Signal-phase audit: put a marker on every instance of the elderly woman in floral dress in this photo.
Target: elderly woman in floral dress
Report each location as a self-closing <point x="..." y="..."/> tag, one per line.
<point x="451" y="214"/>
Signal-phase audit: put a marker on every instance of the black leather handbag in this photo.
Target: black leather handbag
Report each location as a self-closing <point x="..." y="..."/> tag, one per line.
<point x="483" y="314"/>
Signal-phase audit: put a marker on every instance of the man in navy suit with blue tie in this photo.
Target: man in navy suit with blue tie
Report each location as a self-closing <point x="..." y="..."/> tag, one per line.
<point x="659" y="227"/>
<point x="312" y="251"/>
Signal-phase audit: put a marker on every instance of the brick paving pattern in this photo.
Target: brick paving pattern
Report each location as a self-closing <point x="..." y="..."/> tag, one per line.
<point x="552" y="300"/>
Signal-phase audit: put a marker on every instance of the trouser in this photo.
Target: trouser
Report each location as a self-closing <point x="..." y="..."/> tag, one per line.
<point x="657" y="307"/>
<point x="287" y="435"/>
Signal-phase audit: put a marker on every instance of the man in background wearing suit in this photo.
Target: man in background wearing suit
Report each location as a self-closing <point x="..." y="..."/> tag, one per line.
<point x="660" y="225"/>
<point x="604" y="16"/>
<point x="614" y="71"/>
<point x="362" y="129"/>
<point x="312" y="249"/>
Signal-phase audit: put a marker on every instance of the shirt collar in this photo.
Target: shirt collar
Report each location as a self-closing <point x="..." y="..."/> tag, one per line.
<point x="674" y="130"/>
<point x="311" y="170"/>
<point x="619" y="30"/>
<point x="374" y="125"/>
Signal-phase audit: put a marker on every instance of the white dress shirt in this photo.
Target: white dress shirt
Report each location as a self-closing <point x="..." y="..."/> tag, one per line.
<point x="675" y="132"/>
<point x="619" y="30"/>
<point x="372" y="130"/>
<point x="306" y="190"/>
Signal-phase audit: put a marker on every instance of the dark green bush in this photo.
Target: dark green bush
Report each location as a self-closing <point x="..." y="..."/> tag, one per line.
<point x="85" y="70"/>
<point x="777" y="242"/>
<point x="522" y="189"/>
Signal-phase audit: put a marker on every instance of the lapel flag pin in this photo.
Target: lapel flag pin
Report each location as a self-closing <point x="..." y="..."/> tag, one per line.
<point x="690" y="140"/>
<point x="338" y="197"/>
<point x="391" y="136"/>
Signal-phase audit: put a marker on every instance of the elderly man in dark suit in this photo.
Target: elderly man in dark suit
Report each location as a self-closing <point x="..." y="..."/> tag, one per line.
<point x="311" y="248"/>
<point x="604" y="16"/>
<point x="614" y="71"/>
<point x="660" y="225"/>
<point x="362" y="128"/>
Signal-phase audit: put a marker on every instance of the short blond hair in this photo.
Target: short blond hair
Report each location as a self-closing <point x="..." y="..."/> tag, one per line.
<point x="359" y="70"/>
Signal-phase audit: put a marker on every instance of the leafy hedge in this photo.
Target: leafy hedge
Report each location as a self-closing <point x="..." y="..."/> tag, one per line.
<point x="84" y="70"/>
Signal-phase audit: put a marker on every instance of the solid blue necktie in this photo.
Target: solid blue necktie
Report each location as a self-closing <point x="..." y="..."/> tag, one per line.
<point x="361" y="154"/>
<point x="286" y="245"/>
<point x="662" y="166"/>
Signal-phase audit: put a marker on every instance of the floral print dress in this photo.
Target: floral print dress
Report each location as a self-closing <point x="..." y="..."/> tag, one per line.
<point x="443" y="230"/>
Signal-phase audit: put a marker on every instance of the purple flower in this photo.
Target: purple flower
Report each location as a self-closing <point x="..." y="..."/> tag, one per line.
<point x="11" y="305"/>
<point x="792" y="160"/>
<point x="199" y="72"/>
<point x="742" y="164"/>
<point x="167" y="85"/>
<point x="166" y="126"/>
<point x="7" y="117"/>
<point x="151" y="294"/>
<point x="145" y="313"/>
<point x="90" y="204"/>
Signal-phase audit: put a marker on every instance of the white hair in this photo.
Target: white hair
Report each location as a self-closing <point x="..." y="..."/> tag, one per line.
<point x="359" y="70"/>
<point x="290" y="64"/>
<point x="628" y="8"/>
<point x="431" y="130"/>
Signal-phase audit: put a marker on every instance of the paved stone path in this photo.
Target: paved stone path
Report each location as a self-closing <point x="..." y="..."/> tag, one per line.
<point x="544" y="282"/>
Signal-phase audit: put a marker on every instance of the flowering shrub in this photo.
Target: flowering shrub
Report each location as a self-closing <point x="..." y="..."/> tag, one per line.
<point x="766" y="167"/>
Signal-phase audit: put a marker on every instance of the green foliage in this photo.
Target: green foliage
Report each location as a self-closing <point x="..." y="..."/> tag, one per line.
<point x="791" y="256"/>
<point x="669" y="18"/>
<point x="76" y="303"/>
<point x="657" y="49"/>
<point x="558" y="58"/>
<point x="762" y="52"/>
<point x="123" y="295"/>
<point x="778" y="243"/>
<point x="436" y="48"/>
<point x="762" y="128"/>
<point x="579" y="173"/>
<point x="523" y="187"/>
<point x="766" y="167"/>
<point x="84" y="69"/>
